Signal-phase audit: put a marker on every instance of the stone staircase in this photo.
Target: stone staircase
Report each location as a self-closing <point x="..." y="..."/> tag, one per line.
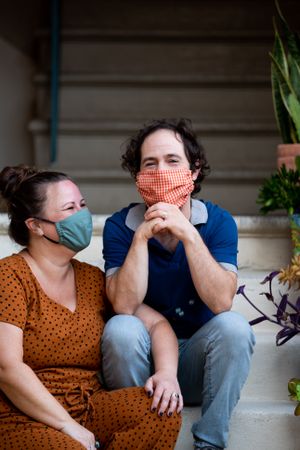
<point x="263" y="419"/>
<point x="127" y="62"/>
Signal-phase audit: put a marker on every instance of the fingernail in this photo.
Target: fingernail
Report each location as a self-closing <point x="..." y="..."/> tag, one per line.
<point x="153" y="409"/>
<point x="149" y="393"/>
<point x="169" y="414"/>
<point x="161" y="414"/>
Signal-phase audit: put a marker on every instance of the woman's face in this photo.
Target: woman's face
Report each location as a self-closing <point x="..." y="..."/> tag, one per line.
<point x="63" y="199"/>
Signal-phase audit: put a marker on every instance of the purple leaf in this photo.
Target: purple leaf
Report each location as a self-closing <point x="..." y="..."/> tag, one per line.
<point x="258" y="320"/>
<point x="268" y="295"/>
<point x="270" y="277"/>
<point x="280" y="340"/>
<point x="282" y="307"/>
<point x="294" y="318"/>
<point x="240" y="290"/>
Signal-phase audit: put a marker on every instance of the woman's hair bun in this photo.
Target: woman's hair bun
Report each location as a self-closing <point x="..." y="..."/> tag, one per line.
<point x="12" y="176"/>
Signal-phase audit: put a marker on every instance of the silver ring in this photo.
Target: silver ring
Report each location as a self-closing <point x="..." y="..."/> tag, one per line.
<point x="175" y="394"/>
<point x="165" y="215"/>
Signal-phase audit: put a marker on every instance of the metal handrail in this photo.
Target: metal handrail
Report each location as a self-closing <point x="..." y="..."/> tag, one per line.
<point x="55" y="41"/>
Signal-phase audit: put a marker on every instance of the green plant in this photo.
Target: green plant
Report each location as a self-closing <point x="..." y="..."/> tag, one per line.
<point x="285" y="77"/>
<point x="286" y="314"/>
<point x="281" y="191"/>
<point x="294" y="390"/>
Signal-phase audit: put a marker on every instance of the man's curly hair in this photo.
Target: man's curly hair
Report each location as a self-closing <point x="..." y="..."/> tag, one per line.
<point x="195" y="153"/>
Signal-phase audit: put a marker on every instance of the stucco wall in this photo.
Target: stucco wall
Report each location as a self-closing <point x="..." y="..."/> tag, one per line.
<point x="16" y="94"/>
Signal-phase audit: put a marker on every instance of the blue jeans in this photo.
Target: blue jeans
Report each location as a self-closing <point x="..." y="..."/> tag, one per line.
<point x="213" y="366"/>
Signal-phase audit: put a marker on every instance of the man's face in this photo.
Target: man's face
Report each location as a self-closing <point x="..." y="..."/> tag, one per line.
<point x="163" y="150"/>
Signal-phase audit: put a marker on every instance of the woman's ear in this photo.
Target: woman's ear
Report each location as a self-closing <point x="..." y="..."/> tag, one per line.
<point x="34" y="226"/>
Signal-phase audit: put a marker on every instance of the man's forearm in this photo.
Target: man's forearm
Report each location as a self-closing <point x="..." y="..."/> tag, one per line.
<point x="126" y="289"/>
<point x="215" y="285"/>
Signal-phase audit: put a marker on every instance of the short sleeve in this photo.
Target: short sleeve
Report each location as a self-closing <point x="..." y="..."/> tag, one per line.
<point x="117" y="239"/>
<point x="13" y="305"/>
<point x="223" y="241"/>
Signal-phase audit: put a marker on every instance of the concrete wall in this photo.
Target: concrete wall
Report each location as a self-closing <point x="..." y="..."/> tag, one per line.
<point x="17" y="95"/>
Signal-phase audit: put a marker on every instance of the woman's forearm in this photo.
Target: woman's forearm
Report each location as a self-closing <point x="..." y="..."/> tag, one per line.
<point x="164" y="347"/>
<point x="29" y="395"/>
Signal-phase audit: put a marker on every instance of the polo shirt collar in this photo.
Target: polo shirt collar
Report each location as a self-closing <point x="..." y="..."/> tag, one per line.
<point x="135" y="215"/>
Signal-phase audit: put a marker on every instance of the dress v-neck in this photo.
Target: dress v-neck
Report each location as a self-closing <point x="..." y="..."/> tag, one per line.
<point x="43" y="291"/>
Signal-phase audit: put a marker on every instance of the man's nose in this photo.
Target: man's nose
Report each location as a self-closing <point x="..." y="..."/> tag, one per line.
<point x="162" y="165"/>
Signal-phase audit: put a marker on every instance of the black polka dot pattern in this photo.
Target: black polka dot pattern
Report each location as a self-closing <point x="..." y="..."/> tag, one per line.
<point x="63" y="349"/>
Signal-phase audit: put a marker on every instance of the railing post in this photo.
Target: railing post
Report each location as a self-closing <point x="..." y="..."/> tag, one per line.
<point x="55" y="35"/>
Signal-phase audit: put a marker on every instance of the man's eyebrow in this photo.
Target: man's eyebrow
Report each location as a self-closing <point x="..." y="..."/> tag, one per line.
<point x="148" y="158"/>
<point x="172" y="155"/>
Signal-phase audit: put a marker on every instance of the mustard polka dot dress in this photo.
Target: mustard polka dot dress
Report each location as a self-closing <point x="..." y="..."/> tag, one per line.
<point x="62" y="347"/>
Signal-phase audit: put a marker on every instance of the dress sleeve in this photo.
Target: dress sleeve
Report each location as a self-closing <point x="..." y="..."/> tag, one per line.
<point x="13" y="304"/>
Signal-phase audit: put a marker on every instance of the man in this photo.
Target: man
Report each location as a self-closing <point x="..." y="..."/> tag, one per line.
<point x="177" y="255"/>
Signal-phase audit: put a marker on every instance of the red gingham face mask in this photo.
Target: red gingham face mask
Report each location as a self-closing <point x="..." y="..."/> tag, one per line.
<point x="169" y="186"/>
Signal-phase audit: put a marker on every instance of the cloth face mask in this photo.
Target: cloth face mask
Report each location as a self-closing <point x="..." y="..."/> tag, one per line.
<point x="169" y="186"/>
<point x="75" y="231"/>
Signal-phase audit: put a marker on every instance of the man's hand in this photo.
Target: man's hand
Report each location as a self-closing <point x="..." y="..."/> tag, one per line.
<point x="172" y="220"/>
<point x="164" y="388"/>
<point x="147" y="229"/>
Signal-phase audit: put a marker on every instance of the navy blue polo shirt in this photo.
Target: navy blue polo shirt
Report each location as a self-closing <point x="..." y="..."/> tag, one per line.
<point x="170" y="287"/>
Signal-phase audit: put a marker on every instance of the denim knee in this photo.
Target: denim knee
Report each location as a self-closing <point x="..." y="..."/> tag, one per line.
<point x="235" y="332"/>
<point x="124" y="334"/>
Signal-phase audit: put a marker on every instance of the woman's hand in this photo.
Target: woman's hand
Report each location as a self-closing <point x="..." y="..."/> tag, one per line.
<point x="164" y="388"/>
<point x="80" y="434"/>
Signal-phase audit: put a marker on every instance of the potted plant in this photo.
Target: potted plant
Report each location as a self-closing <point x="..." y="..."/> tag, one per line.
<point x="282" y="191"/>
<point x="285" y="77"/>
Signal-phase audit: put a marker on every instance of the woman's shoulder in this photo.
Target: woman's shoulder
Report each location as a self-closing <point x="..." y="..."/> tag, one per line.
<point x="87" y="270"/>
<point x="12" y="262"/>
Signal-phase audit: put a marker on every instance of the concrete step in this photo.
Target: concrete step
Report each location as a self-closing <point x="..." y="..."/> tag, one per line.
<point x="180" y="59"/>
<point x="258" y="425"/>
<point x="264" y="245"/>
<point x="271" y="368"/>
<point x="200" y="18"/>
<point x="82" y="98"/>
<point x="230" y="145"/>
<point x="234" y="151"/>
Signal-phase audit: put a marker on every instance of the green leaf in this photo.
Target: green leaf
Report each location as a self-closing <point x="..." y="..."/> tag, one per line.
<point x="294" y="75"/>
<point x="281" y="115"/>
<point x="294" y="106"/>
<point x="283" y="78"/>
<point x="279" y="52"/>
<point x="292" y="39"/>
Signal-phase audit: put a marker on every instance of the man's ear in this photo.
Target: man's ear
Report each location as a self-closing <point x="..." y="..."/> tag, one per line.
<point x="196" y="171"/>
<point x="34" y="226"/>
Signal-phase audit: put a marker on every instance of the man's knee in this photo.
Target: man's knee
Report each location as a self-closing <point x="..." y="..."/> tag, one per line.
<point x="124" y="333"/>
<point x="235" y="332"/>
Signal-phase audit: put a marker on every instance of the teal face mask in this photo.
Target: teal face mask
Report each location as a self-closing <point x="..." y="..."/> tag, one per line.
<point x="75" y="231"/>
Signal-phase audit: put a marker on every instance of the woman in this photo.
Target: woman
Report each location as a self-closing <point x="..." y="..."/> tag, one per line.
<point x="51" y="320"/>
